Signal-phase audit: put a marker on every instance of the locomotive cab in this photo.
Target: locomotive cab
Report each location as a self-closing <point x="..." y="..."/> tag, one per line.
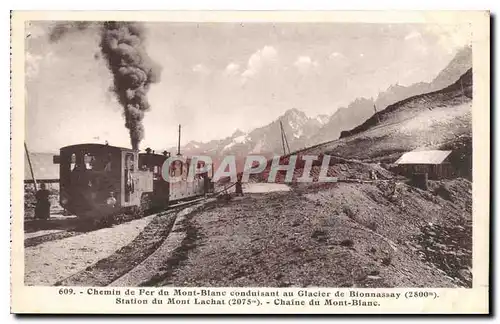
<point x="96" y="180"/>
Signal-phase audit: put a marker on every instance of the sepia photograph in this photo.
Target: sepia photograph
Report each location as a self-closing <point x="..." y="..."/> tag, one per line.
<point x="250" y="154"/>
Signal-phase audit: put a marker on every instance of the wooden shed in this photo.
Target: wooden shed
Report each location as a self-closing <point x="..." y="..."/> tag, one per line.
<point x="435" y="163"/>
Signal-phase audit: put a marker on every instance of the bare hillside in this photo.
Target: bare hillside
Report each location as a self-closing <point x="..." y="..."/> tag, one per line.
<point x="439" y="120"/>
<point x="349" y="235"/>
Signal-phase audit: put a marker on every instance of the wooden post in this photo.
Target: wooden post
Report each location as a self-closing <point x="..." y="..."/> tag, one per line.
<point x="31" y="167"/>
<point x="284" y="140"/>
<point x="378" y="118"/>
<point x="179" y="142"/>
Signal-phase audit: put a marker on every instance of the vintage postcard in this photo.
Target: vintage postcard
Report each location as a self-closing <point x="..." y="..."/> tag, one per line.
<point x="250" y="162"/>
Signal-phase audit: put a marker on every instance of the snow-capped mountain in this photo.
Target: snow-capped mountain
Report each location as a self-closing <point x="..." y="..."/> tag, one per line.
<point x="238" y="137"/>
<point x="265" y="140"/>
<point x="323" y="118"/>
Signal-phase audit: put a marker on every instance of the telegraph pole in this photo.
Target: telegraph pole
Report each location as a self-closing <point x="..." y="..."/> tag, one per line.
<point x="284" y="141"/>
<point x="31" y="167"/>
<point x="462" y="87"/>
<point x="378" y="118"/>
<point x="179" y="142"/>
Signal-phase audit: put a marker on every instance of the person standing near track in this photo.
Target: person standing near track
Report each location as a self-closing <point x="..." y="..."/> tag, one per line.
<point x="42" y="209"/>
<point x="239" y="187"/>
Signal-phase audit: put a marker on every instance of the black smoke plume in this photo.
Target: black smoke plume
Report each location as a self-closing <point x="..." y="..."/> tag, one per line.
<point x="122" y="45"/>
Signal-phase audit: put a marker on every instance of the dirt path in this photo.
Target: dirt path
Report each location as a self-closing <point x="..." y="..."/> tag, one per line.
<point x="41" y="233"/>
<point x="106" y="270"/>
<point x="264" y="187"/>
<point x="156" y="264"/>
<point x="49" y="262"/>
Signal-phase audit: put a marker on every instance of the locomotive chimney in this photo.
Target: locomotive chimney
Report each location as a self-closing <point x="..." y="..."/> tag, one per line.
<point x="179" y="142"/>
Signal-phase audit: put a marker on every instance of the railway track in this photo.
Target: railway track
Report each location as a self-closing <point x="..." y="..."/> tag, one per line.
<point x="151" y="240"/>
<point x="75" y="228"/>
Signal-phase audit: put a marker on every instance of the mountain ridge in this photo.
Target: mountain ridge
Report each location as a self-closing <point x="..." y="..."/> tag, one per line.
<point x="303" y="131"/>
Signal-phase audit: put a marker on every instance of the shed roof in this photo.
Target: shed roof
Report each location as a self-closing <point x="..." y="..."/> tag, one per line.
<point x="423" y="157"/>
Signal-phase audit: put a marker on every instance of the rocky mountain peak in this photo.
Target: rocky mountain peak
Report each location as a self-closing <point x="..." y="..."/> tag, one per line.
<point x="238" y="132"/>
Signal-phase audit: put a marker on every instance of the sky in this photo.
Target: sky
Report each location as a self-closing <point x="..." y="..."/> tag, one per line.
<point x="219" y="77"/>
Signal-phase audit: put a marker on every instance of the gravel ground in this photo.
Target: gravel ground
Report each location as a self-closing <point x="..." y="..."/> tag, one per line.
<point x="49" y="262"/>
<point x="349" y="235"/>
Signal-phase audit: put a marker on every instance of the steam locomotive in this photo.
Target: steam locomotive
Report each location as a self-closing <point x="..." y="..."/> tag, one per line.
<point x="98" y="181"/>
